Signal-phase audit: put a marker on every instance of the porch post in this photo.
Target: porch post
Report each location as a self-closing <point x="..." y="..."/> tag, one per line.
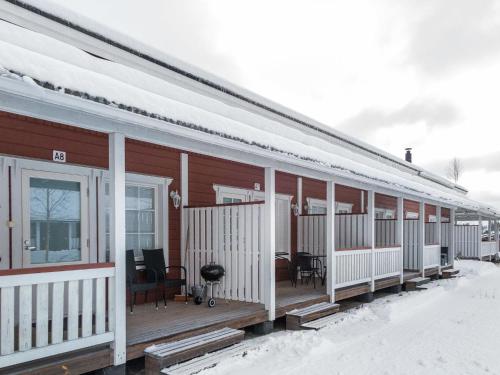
<point x="299" y="194"/>
<point x="497" y="237"/>
<point x="451" y="238"/>
<point x="438" y="233"/>
<point x="330" y="240"/>
<point x="399" y="234"/>
<point x="117" y="204"/>
<point x="371" y="234"/>
<point x="480" y="237"/>
<point x="184" y="202"/>
<point x="269" y="246"/>
<point x="421" y="236"/>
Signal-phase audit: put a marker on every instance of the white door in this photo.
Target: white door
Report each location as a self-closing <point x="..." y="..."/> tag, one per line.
<point x="55" y="218"/>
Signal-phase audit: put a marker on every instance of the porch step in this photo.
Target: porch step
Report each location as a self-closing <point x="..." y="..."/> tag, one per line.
<point x="207" y="361"/>
<point x="163" y="355"/>
<point x="448" y="274"/>
<point x="295" y="319"/>
<point x="416" y="283"/>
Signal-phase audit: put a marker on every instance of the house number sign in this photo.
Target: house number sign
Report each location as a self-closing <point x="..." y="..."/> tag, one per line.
<point x="59" y="156"/>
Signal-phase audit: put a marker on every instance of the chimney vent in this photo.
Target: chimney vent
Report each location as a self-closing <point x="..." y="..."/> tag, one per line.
<point x="408" y="154"/>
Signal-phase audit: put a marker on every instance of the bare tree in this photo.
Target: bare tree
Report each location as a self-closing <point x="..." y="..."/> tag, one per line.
<point x="455" y="169"/>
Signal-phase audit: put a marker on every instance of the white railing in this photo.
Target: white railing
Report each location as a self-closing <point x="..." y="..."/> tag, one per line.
<point x="351" y="231"/>
<point x="467" y="241"/>
<point x="432" y="256"/>
<point x="431" y="234"/>
<point x="49" y="313"/>
<point x="387" y="262"/>
<point x="445" y="234"/>
<point x="352" y="267"/>
<point x="232" y="236"/>
<point x="489" y="248"/>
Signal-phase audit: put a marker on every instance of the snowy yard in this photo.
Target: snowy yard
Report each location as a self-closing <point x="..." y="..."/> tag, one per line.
<point x="450" y="328"/>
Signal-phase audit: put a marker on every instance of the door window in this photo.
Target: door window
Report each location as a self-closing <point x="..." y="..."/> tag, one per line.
<point x="55" y="222"/>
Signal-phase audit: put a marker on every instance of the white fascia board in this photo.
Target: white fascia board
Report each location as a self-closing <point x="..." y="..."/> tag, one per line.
<point x="19" y="97"/>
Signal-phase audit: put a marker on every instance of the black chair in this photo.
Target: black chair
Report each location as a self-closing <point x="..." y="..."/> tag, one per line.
<point x="155" y="267"/>
<point x="134" y="285"/>
<point x="308" y="267"/>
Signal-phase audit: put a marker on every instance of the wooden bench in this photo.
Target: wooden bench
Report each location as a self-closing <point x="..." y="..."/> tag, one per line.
<point x="295" y="318"/>
<point x="164" y="355"/>
<point x="448" y="274"/>
<point x="416" y="283"/>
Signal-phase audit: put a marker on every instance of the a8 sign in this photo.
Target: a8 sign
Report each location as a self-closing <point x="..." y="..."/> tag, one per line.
<point x="59" y="156"/>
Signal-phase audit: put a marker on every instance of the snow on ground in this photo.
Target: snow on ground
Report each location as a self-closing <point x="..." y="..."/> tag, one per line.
<point x="450" y="328"/>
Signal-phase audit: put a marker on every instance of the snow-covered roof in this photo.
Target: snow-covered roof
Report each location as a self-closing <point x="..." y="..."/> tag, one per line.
<point x="45" y="62"/>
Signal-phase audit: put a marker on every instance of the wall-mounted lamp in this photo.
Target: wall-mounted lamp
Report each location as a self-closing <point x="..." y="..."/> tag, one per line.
<point x="295" y="209"/>
<point x="176" y="198"/>
<point x="306" y="208"/>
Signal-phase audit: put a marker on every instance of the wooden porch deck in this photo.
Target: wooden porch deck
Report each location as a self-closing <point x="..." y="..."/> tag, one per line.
<point x="147" y="326"/>
<point x="289" y="297"/>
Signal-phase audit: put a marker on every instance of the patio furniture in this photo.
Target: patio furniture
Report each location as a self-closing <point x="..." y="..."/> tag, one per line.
<point x="155" y="265"/>
<point x="134" y="285"/>
<point x="284" y="256"/>
<point x="308" y="266"/>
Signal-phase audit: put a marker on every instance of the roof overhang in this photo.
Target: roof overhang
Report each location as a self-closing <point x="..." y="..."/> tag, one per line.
<point x="19" y="97"/>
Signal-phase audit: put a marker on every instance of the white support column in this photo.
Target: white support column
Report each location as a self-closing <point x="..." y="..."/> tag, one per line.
<point x="480" y="237"/>
<point x="438" y="233"/>
<point x="399" y="234"/>
<point x="497" y="237"/>
<point x="184" y="202"/>
<point x="451" y="238"/>
<point x="371" y="234"/>
<point x="117" y="204"/>
<point x="269" y="244"/>
<point x="421" y="236"/>
<point x="330" y="240"/>
<point x="299" y="194"/>
<point x="4" y="214"/>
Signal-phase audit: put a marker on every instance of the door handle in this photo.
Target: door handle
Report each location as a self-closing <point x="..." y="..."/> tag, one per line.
<point x="30" y="247"/>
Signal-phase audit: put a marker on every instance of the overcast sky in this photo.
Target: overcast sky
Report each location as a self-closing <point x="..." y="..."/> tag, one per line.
<point x="422" y="73"/>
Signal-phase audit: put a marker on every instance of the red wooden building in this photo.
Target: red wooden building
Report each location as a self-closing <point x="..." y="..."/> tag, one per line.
<point x="107" y="145"/>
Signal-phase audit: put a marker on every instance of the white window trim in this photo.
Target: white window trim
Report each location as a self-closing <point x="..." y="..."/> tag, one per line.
<point x="161" y="186"/>
<point x="339" y="206"/>
<point x="432" y="219"/>
<point x="387" y="213"/>
<point x="411" y="215"/>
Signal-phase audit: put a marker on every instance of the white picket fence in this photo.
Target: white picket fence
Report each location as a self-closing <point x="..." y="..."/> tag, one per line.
<point x="432" y="256"/>
<point x="387" y="262"/>
<point x="231" y="236"/>
<point x="467" y="241"/>
<point x="489" y="248"/>
<point x="385" y="232"/>
<point x="352" y="267"/>
<point x="351" y="231"/>
<point x="34" y="307"/>
<point x="431" y="234"/>
<point x="410" y="244"/>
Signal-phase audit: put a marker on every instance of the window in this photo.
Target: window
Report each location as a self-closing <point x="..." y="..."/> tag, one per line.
<point x="55" y="207"/>
<point x="384" y="213"/>
<point x="411" y="215"/>
<point x="318" y="207"/>
<point x="228" y="194"/>
<point x="141" y="216"/>
<point x="432" y="219"/>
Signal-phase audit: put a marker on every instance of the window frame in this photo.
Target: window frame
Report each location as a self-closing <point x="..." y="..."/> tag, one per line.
<point x="339" y="206"/>
<point x="387" y="213"/>
<point x="161" y="186"/>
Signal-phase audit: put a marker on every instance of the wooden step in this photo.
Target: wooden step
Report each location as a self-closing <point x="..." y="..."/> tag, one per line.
<point x="416" y="283"/>
<point x="167" y="354"/>
<point x="296" y="318"/>
<point x="448" y="274"/>
<point x="210" y="360"/>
